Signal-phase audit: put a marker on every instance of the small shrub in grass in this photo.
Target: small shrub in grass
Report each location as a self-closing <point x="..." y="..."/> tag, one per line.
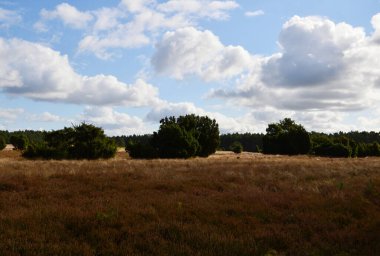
<point x="42" y="150"/>
<point x="236" y="147"/>
<point x="141" y="150"/>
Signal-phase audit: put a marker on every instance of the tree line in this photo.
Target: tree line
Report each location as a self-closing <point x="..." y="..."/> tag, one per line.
<point x="189" y="136"/>
<point x="286" y="138"/>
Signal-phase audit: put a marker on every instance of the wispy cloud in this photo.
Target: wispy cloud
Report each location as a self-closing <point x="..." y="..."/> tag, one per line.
<point x="9" y="18"/>
<point x="254" y="13"/>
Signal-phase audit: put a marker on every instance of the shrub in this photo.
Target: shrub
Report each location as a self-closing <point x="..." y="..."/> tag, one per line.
<point x="286" y="137"/>
<point x="186" y="136"/>
<point x="19" y="141"/>
<point x="84" y="141"/>
<point x="90" y="142"/>
<point x="42" y="150"/>
<point x="141" y="150"/>
<point x="172" y="141"/>
<point x="333" y="150"/>
<point x="236" y="147"/>
<point x="2" y="143"/>
<point x="374" y="149"/>
<point x="204" y="130"/>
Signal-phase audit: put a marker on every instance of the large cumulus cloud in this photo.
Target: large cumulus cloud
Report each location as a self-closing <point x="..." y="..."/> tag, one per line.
<point x="322" y="66"/>
<point x="188" y="51"/>
<point x="40" y="73"/>
<point x="313" y="52"/>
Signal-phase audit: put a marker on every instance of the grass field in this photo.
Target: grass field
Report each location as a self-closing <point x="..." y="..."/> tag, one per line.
<point x="222" y="205"/>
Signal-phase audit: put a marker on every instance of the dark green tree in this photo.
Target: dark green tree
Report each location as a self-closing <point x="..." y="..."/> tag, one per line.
<point x="333" y="146"/>
<point x="204" y="130"/>
<point x="251" y="142"/>
<point x="186" y="136"/>
<point x="333" y="150"/>
<point x="374" y="149"/>
<point x="19" y="141"/>
<point x="2" y="143"/>
<point x="286" y="137"/>
<point x="90" y="142"/>
<point x="84" y="141"/>
<point x="172" y="141"/>
<point x="140" y="149"/>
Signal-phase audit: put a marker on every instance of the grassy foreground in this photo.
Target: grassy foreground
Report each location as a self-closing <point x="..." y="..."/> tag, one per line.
<point x="223" y="205"/>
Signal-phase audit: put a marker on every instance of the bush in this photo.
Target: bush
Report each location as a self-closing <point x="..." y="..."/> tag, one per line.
<point x="375" y="149"/>
<point x="141" y="150"/>
<point x="172" y="141"/>
<point x="90" y="142"/>
<point x="84" y="141"/>
<point x="19" y="141"/>
<point x="42" y="150"/>
<point x="236" y="147"/>
<point x="204" y="130"/>
<point x="333" y="150"/>
<point x="287" y="138"/>
<point x="186" y="136"/>
<point x="2" y="143"/>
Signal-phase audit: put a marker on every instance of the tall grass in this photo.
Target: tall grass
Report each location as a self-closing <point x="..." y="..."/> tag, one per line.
<point x="222" y="205"/>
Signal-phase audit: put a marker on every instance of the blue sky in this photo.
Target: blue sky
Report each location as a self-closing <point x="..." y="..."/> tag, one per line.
<point x="125" y="64"/>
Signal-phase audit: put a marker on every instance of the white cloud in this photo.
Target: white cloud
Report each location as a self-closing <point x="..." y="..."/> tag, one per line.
<point x="188" y="51"/>
<point x="200" y="8"/>
<point x="114" y="122"/>
<point x="53" y="79"/>
<point x="9" y="18"/>
<point x="325" y="75"/>
<point x="132" y="24"/>
<point x="254" y="13"/>
<point x="136" y="32"/>
<point x="10" y="114"/>
<point x="313" y="52"/>
<point x="172" y="109"/>
<point x="45" y="117"/>
<point x="107" y="18"/>
<point x="121" y="38"/>
<point x="376" y="25"/>
<point x="137" y="6"/>
<point x="322" y="66"/>
<point x="68" y="14"/>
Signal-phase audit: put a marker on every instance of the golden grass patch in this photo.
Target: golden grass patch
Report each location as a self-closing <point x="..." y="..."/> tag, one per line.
<point x="227" y="204"/>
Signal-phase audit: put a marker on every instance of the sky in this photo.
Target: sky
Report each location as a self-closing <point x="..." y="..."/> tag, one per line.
<point x="125" y="64"/>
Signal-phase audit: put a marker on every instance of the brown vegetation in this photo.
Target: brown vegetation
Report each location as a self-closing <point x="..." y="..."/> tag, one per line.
<point x="223" y="205"/>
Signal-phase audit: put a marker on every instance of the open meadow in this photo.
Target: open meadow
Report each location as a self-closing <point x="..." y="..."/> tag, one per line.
<point x="226" y="204"/>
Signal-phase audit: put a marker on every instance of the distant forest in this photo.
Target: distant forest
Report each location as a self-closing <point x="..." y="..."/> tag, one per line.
<point x="251" y="142"/>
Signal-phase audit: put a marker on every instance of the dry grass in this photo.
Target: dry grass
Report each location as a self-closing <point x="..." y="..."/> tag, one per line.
<point x="223" y="205"/>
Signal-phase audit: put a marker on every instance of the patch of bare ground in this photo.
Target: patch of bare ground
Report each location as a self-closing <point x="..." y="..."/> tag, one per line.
<point x="227" y="204"/>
